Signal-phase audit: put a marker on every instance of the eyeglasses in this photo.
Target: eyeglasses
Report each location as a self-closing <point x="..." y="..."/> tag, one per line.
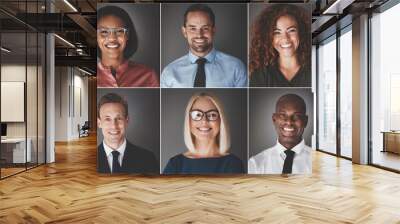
<point x="197" y="115"/>
<point x="106" y="32"/>
<point x="294" y="117"/>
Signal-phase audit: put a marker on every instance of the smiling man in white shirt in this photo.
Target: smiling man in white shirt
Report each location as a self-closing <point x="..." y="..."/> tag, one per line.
<point x="290" y="155"/>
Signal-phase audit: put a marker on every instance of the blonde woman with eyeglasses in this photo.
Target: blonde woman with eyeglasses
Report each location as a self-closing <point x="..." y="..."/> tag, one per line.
<point x="207" y="139"/>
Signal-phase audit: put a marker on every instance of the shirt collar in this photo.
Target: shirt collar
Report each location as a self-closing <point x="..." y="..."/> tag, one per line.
<point x="297" y="149"/>
<point x="121" y="68"/>
<point x="120" y="149"/>
<point x="210" y="56"/>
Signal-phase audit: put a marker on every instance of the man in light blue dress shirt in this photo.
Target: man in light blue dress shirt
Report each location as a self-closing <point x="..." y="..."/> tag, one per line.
<point x="221" y="70"/>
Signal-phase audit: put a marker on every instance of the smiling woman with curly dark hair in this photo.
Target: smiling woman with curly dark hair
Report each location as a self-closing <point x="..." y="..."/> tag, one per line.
<point x="281" y="47"/>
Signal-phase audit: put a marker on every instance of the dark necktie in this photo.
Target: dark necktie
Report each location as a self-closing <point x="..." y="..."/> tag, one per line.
<point x="116" y="168"/>
<point x="287" y="165"/>
<point x="200" y="80"/>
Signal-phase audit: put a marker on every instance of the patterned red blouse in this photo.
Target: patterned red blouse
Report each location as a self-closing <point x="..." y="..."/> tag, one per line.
<point x="128" y="74"/>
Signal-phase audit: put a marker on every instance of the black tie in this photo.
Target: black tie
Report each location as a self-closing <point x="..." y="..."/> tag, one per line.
<point x="200" y="80"/>
<point x="287" y="165"/>
<point x="116" y="168"/>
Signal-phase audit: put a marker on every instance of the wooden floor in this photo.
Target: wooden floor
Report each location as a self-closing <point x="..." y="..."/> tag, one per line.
<point x="10" y="171"/>
<point x="70" y="191"/>
<point x="386" y="159"/>
<point x="5" y="172"/>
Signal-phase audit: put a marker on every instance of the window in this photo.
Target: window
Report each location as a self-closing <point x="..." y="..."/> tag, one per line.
<point x="385" y="87"/>
<point x="327" y="96"/>
<point x="346" y="92"/>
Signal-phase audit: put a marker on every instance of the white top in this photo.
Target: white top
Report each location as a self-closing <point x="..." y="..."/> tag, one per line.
<point x="270" y="161"/>
<point x="108" y="151"/>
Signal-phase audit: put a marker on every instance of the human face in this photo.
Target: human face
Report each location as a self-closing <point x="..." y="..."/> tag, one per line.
<point x="204" y="129"/>
<point x="113" y="122"/>
<point x="290" y="121"/>
<point x="112" y="46"/>
<point x="286" y="36"/>
<point x="199" y="33"/>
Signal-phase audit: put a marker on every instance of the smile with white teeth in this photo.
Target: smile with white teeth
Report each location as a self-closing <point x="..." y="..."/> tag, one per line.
<point x="204" y="129"/>
<point x="113" y="132"/>
<point x="288" y="129"/>
<point x="112" y="45"/>
<point x="199" y="41"/>
<point x="286" y="45"/>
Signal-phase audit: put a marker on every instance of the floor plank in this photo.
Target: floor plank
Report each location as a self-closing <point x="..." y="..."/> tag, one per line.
<point x="70" y="191"/>
<point x="386" y="159"/>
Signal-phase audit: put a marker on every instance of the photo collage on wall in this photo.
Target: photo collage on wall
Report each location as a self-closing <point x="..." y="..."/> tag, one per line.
<point x="204" y="88"/>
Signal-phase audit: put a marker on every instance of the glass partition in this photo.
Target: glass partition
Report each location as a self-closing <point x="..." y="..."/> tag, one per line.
<point x="22" y="91"/>
<point x="41" y="96"/>
<point x="13" y="92"/>
<point x="31" y="98"/>
<point x="327" y="95"/>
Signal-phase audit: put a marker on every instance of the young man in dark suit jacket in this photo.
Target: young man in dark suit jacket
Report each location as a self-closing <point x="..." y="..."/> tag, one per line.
<point x="115" y="154"/>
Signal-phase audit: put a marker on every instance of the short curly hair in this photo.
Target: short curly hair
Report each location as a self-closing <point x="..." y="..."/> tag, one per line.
<point x="132" y="43"/>
<point x="262" y="52"/>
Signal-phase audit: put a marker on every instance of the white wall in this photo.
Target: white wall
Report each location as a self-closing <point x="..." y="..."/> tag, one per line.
<point x="69" y="85"/>
<point x="33" y="126"/>
<point x="16" y="73"/>
<point x="61" y="104"/>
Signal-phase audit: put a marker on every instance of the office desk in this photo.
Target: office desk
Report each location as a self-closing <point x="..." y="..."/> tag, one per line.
<point x="391" y="141"/>
<point x="15" y="148"/>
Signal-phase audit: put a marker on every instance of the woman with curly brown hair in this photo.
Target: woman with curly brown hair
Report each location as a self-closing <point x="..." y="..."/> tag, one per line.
<point x="281" y="47"/>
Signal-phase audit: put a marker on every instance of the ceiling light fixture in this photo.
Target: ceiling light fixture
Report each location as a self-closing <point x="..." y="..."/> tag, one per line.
<point x="84" y="71"/>
<point x="64" y="40"/>
<point x="337" y="7"/>
<point x="70" y="5"/>
<point x="5" y="50"/>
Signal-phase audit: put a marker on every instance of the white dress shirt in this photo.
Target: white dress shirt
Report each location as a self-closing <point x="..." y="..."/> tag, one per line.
<point x="271" y="160"/>
<point x="108" y="151"/>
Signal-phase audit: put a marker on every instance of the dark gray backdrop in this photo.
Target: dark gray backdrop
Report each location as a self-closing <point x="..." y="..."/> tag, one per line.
<point x="146" y="19"/>
<point x="144" y="116"/>
<point x="256" y="8"/>
<point x="262" y="101"/>
<point x="173" y="105"/>
<point x="230" y="36"/>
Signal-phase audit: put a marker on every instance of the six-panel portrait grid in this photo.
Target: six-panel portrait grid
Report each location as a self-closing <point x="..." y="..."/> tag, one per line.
<point x="204" y="88"/>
